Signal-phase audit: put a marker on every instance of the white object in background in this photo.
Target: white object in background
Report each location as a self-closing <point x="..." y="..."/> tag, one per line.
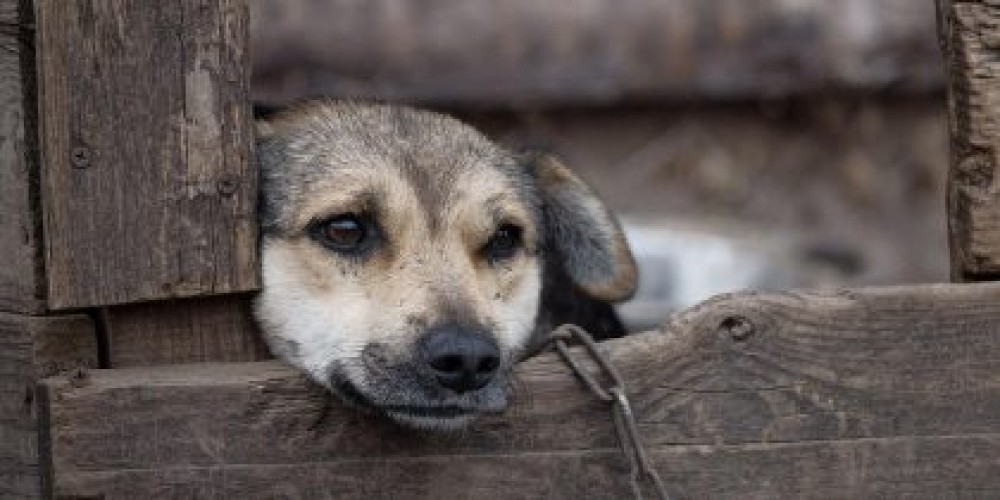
<point x="683" y="262"/>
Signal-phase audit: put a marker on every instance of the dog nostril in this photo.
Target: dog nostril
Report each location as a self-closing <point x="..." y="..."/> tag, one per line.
<point x="448" y="364"/>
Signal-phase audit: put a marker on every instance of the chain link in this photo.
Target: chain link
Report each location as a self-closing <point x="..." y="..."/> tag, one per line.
<point x="626" y="428"/>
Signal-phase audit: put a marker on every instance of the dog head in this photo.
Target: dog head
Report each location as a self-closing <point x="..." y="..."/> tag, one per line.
<point x="404" y="255"/>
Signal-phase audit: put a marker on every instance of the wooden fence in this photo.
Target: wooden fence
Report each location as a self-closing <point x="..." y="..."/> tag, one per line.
<point x="128" y="235"/>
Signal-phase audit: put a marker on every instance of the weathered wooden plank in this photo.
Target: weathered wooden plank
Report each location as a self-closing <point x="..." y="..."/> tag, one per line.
<point x="588" y="51"/>
<point x="932" y="468"/>
<point x="752" y="368"/>
<point x="200" y="330"/>
<point x="20" y="276"/>
<point x="149" y="189"/>
<point x="33" y="347"/>
<point x="969" y="32"/>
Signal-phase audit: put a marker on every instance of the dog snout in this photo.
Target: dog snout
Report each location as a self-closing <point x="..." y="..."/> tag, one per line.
<point x="460" y="359"/>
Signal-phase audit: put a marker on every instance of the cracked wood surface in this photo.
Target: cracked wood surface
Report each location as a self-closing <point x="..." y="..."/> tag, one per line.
<point x="148" y="184"/>
<point x="844" y="394"/>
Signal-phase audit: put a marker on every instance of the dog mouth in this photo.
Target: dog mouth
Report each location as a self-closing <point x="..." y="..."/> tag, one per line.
<point x="431" y="418"/>
<point x="434" y="416"/>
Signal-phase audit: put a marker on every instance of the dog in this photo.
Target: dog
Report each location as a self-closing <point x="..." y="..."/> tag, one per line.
<point x="408" y="262"/>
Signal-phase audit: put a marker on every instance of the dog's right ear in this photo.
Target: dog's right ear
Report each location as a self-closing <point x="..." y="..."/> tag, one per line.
<point x="583" y="232"/>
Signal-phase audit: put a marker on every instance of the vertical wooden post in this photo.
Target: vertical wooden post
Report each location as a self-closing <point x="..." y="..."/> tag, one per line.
<point x="969" y="33"/>
<point x="31" y="347"/>
<point x="148" y="184"/>
<point x="142" y="169"/>
<point x="21" y="281"/>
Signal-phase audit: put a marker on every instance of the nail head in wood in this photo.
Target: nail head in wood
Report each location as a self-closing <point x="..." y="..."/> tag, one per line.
<point x="80" y="157"/>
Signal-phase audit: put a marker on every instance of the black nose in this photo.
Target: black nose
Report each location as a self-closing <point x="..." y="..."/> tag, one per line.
<point x="460" y="359"/>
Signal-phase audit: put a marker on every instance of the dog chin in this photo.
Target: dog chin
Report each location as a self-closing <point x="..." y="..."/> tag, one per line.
<point x="430" y="418"/>
<point x="431" y="423"/>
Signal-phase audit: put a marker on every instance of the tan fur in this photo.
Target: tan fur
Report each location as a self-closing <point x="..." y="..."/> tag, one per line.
<point x="440" y="191"/>
<point x="403" y="288"/>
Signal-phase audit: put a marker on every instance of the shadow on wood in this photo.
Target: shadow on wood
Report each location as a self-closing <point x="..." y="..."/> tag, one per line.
<point x="844" y="394"/>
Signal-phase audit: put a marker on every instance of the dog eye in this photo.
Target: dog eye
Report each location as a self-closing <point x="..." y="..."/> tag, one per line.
<point x="504" y="243"/>
<point x="343" y="233"/>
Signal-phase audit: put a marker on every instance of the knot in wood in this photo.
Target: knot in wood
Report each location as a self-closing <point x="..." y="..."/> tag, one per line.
<point x="737" y="328"/>
<point x="976" y="170"/>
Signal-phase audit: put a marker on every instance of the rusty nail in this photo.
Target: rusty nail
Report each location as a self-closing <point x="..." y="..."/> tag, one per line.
<point x="80" y="157"/>
<point x="737" y="328"/>
<point x="227" y="186"/>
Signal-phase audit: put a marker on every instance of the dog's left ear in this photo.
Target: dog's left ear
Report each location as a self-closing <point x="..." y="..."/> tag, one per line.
<point x="583" y="232"/>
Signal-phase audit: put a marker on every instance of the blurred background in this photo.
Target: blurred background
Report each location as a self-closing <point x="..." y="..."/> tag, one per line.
<point x="757" y="144"/>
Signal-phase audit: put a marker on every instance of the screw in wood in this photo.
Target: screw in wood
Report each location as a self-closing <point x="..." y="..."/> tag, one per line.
<point x="80" y="157"/>
<point x="737" y="328"/>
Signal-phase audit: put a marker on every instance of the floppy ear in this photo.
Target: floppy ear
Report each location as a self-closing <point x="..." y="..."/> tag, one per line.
<point x="583" y="233"/>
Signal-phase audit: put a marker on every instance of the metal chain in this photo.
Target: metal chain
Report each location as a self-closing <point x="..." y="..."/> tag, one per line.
<point x="621" y="411"/>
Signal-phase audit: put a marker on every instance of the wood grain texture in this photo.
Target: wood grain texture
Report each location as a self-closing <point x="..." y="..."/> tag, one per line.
<point x="842" y="394"/>
<point x="33" y="347"/>
<point x="969" y="33"/>
<point x="207" y="329"/>
<point x="932" y="468"/>
<point x="588" y="51"/>
<point x="149" y="187"/>
<point x="20" y="275"/>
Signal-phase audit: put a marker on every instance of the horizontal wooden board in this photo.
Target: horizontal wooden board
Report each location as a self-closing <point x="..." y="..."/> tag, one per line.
<point x="969" y="32"/>
<point x="837" y="369"/>
<point x="149" y="188"/>
<point x="199" y="330"/>
<point x="519" y="52"/>
<point x="932" y="468"/>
